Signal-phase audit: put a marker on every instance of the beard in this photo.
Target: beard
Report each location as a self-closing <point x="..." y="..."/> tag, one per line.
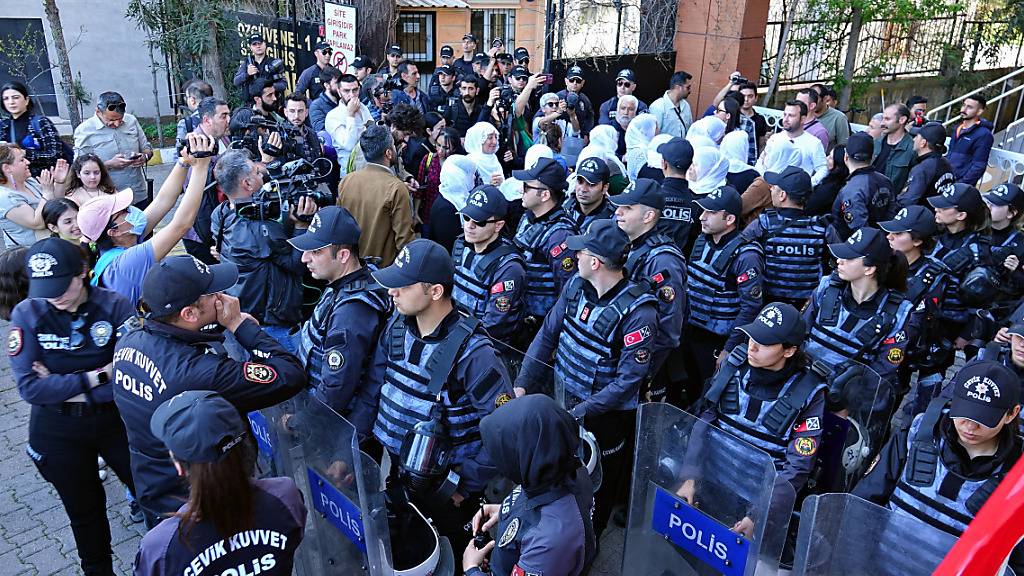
<point x="622" y="120"/>
<point x="469" y="99"/>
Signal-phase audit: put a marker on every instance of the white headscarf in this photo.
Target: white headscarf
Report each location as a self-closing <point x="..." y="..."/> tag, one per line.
<point x="458" y="177"/>
<point x="653" y="156"/>
<point x="734" y="149"/>
<point x="604" y="140"/>
<point x="511" y="188"/>
<point x="780" y="155"/>
<point x="639" y="133"/>
<point x="486" y="164"/>
<point x="708" y="127"/>
<point x="709" y="170"/>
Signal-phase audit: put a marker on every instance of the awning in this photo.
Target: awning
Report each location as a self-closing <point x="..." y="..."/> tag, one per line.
<point x="432" y="4"/>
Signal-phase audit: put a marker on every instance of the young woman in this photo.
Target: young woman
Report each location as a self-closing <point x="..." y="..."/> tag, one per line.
<point x="734" y="149"/>
<point x="33" y="132"/>
<point x="88" y="179"/>
<point x="60" y="346"/>
<point x="429" y="176"/>
<point x="208" y="441"/>
<point x="61" y="218"/>
<point x="1006" y="210"/>
<point x="824" y="195"/>
<point x="22" y="197"/>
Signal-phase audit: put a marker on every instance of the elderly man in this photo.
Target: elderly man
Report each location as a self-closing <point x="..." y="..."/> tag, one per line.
<point x="117" y="138"/>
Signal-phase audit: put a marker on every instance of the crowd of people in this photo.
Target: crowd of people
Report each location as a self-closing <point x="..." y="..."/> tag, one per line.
<point x="518" y="260"/>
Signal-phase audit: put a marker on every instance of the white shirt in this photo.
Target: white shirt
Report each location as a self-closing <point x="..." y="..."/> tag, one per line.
<point x="672" y="119"/>
<point x="345" y="130"/>
<point x="812" y="155"/>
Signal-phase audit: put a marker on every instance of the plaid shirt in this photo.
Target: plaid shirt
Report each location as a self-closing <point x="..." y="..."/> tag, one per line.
<point x="750" y="128"/>
<point x="49" y="150"/>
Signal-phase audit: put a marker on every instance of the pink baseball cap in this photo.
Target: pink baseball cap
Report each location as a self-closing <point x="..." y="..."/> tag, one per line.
<point x="94" y="215"/>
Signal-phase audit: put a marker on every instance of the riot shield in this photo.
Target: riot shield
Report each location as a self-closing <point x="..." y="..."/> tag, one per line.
<point x="860" y="404"/>
<point x="702" y="500"/>
<point x="276" y="439"/>
<point x="842" y="534"/>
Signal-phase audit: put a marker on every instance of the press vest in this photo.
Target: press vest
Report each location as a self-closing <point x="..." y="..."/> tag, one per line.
<point x="793" y="250"/>
<point x="714" y="296"/>
<point x="532" y="239"/>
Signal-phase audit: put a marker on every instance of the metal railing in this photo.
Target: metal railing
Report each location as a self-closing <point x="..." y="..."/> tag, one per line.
<point x="1012" y="138"/>
<point x="1006" y="83"/>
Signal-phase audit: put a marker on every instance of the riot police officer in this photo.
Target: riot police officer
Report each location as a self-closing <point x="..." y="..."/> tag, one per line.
<point x="724" y="286"/>
<point x="205" y="433"/>
<point x="1006" y="210"/>
<point x="544" y="524"/>
<point x="541" y="236"/>
<point x="794" y="242"/>
<point x="912" y="233"/>
<point x="259" y="66"/>
<point x="929" y="170"/>
<point x="769" y="394"/>
<point x="435" y="367"/>
<point x="868" y="196"/>
<point x="169" y="354"/>
<point x="490" y="274"/>
<point x="654" y="261"/>
<point x="337" y="343"/>
<point x="589" y="201"/>
<point x="679" y="217"/>
<point x="599" y="335"/>
<point x="60" y="345"/>
<point x="954" y="455"/>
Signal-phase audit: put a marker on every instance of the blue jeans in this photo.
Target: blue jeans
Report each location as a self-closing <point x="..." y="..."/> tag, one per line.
<point x="282" y="335"/>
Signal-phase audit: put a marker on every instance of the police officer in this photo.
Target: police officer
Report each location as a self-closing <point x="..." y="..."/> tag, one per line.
<point x="770" y="395"/>
<point x="434" y="364"/>
<point x="259" y="66"/>
<point x="544" y="525"/>
<point x="337" y="343"/>
<point x="490" y="274"/>
<point x="1006" y="210"/>
<point x="625" y="84"/>
<point x="725" y="286"/>
<point x="589" y="201"/>
<point x="60" y="345"/>
<point x="169" y="354"/>
<point x="309" y="83"/>
<point x="599" y="335"/>
<point x="794" y="242"/>
<point x="205" y="433"/>
<point x="443" y="91"/>
<point x="929" y="170"/>
<point x="681" y="211"/>
<point x="541" y="237"/>
<point x="859" y="314"/>
<point x="656" y="262"/>
<point x="954" y="455"/>
<point x="868" y="196"/>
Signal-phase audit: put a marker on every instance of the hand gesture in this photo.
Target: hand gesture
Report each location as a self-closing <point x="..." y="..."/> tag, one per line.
<point x="252" y="70"/>
<point x="46" y="179"/>
<point x="229" y="311"/>
<point x="353" y="107"/>
<point x="60" y="171"/>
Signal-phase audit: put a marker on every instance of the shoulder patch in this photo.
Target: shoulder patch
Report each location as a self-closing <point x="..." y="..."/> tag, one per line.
<point x="895" y="356"/>
<point x="557" y="250"/>
<point x="748" y="275"/>
<point x="506" y="286"/>
<point x="805" y="446"/>
<point x="258" y="373"/>
<point x="658" y="278"/>
<point x="335" y="360"/>
<point x="809" y="425"/>
<point x="502" y="399"/>
<point x="642" y="356"/>
<point x="666" y="294"/>
<point x="568" y="263"/>
<point x="637" y="336"/>
<point x="503" y="304"/>
<point x="510" y="533"/>
<point x="15" y="339"/>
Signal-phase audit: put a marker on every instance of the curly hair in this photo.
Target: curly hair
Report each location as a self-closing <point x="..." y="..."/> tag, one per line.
<point x="74" y="182"/>
<point x="407" y="119"/>
<point x="13" y="279"/>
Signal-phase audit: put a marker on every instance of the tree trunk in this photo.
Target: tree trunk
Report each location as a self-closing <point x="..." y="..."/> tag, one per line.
<point x="376" y="27"/>
<point x="211" y="63"/>
<point x="850" y="64"/>
<point x="783" y="39"/>
<point x="68" y="81"/>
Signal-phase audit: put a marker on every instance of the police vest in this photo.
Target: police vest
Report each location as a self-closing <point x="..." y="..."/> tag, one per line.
<point x="583" y="221"/>
<point x="919" y="491"/>
<point x="474" y="273"/>
<point x="655" y="245"/>
<point x="714" y="297"/>
<point x="587" y="357"/>
<point x="837" y="335"/>
<point x="313" y="333"/>
<point x="531" y="240"/>
<point x="793" y="250"/>
<point x="413" y="365"/>
<point x="924" y="279"/>
<point x="960" y="260"/>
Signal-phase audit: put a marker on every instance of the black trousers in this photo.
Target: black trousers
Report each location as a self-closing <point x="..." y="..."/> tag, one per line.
<point x="700" y="351"/>
<point x="616" y="436"/>
<point x="64" y="448"/>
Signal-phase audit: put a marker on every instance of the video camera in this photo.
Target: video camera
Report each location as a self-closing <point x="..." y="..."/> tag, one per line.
<point x="248" y="136"/>
<point x="289" y="182"/>
<point x="506" y="100"/>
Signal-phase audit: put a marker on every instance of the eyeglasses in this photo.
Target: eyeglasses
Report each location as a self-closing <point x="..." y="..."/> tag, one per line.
<point x="624" y="83"/>
<point x="538" y="189"/>
<point x="119" y="107"/>
<point x="467" y="220"/>
<point x="575" y="80"/>
<point x="77" y="337"/>
<point x="552" y="104"/>
<point x="721" y="110"/>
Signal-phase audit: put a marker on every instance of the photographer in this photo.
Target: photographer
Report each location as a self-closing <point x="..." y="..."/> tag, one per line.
<point x="213" y="122"/>
<point x="251" y="125"/>
<point x="574" y="83"/>
<point x="195" y="90"/>
<point x="468" y="111"/>
<point x="269" y="269"/>
<point x="555" y="111"/>
<point x="512" y="106"/>
<point x="258" y="66"/>
<point x="302" y="142"/>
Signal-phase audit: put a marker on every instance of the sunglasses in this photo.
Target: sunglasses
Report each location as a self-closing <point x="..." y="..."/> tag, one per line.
<point x="467" y="219"/>
<point x="624" y="83"/>
<point x="552" y="104"/>
<point x="575" y="80"/>
<point x="326" y="51"/>
<point x="77" y="337"/>
<point x="119" y="108"/>
<point x="537" y="188"/>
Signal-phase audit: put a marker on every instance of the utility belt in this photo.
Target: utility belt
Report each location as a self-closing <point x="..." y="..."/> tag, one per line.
<point x="80" y="409"/>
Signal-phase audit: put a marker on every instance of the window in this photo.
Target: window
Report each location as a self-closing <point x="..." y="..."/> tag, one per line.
<point x="415" y="34"/>
<point x="490" y="24"/>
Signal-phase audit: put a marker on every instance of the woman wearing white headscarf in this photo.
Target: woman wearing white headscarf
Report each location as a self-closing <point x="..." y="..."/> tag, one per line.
<point x="639" y="133"/>
<point x="603" y="143"/>
<point x="512" y="188"/>
<point x="708" y="170"/>
<point x="458" y="177"/>
<point x="734" y="149"/>
<point x="776" y="158"/>
<point x="481" y="145"/>
<point x="707" y="129"/>
<point x="652" y="163"/>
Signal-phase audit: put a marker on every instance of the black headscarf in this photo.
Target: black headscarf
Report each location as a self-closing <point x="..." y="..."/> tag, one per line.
<point x="533" y="442"/>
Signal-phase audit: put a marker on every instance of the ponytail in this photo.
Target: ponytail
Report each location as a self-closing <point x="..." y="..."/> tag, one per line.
<point x="892" y="273"/>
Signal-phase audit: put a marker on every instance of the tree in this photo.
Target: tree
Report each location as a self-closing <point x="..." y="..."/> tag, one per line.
<point x="376" y="30"/>
<point x="68" y="86"/>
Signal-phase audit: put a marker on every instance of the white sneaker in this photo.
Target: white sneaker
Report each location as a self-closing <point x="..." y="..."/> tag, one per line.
<point x="100" y="462"/>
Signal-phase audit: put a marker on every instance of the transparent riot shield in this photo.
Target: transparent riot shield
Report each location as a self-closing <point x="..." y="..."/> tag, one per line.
<point x="702" y="500"/>
<point x="275" y="438"/>
<point x="842" y="534"/>
<point x="860" y="404"/>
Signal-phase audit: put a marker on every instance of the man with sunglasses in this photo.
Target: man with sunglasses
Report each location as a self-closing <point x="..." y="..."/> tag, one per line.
<point x="625" y="84"/>
<point x="574" y="83"/>
<point x="309" y="82"/>
<point x="117" y="138"/>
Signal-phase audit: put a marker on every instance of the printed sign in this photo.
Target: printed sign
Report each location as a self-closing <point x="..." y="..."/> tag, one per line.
<point x="340" y="33"/>
<point x="721" y="549"/>
<point x="261" y="430"/>
<point x="337" y="509"/>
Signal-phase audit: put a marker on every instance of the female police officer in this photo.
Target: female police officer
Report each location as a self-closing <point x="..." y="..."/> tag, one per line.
<point x="544" y="525"/>
<point x="60" y="346"/>
<point x="261" y="521"/>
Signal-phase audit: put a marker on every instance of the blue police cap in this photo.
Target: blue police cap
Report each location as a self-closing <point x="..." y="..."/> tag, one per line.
<point x="198" y="426"/>
<point x="51" y="264"/>
<point x="421" y="260"/>
<point x="330" y="225"/>
<point x="178" y="281"/>
<point x="641" y="191"/>
<point x="723" y="198"/>
<point x="603" y="238"/>
<point x="485" y="202"/>
<point x="677" y="152"/>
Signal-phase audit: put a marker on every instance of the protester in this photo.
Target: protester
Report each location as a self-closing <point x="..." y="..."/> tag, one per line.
<point x="22" y="197"/>
<point x="35" y="133"/>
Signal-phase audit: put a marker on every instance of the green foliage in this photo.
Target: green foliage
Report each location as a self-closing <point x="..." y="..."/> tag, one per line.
<point x="180" y="29"/>
<point x="169" y="130"/>
<point x="19" y="54"/>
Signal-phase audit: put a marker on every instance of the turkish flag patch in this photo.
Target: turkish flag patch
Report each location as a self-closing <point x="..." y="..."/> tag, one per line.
<point x="809" y="425"/>
<point x="558" y="249"/>
<point x="637" y="336"/>
<point x="658" y="278"/>
<point x="506" y="286"/>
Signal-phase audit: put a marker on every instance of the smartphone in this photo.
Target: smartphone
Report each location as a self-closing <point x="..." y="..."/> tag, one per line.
<point x="135" y="156"/>
<point x="549" y="78"/>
